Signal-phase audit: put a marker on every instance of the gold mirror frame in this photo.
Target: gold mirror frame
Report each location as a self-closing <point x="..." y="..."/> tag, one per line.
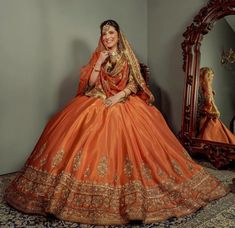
<point x="220" y="154"/>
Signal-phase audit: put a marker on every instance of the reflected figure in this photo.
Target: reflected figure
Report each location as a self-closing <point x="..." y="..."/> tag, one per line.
<point x="210" y="127"/>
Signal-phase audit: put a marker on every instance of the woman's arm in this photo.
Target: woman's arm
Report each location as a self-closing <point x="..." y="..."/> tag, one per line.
<point x="96" y="68"/>
<point x="130" y="88"/>
<point x="94" y="74"/>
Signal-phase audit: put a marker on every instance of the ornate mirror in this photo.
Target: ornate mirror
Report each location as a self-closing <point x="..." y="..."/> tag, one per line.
<point x="210" y="83"/>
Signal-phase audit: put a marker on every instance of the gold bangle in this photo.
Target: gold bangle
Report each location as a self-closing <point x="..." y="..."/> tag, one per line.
<point x="125" y="94"/>
<point x="95" y="69"/>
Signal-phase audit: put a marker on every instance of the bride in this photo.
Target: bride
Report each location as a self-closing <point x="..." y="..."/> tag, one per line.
<point x="109" y="156"/>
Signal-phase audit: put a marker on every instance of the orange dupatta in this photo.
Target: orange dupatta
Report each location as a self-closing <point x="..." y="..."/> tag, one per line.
<point x="124" y="46"/>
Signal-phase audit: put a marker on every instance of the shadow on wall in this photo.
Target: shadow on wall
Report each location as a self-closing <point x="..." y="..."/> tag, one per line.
<point x="156" y="91"/>
<point x="160" y="95"/>
<point x="167" y="112"/>
<point x="68" y="89"/>
<point x="175" y="84"/>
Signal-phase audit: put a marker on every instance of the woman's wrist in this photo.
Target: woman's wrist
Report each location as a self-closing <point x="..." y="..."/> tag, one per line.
<point x="98" y="63"/>
<point x="97" y="67"/>
<point x="124" y="93"/>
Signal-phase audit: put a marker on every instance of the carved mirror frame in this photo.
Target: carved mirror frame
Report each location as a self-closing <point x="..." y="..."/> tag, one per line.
<point x="220" y="154"/>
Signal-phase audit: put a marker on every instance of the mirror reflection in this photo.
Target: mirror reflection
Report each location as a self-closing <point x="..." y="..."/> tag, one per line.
<point x="216" y="92"/>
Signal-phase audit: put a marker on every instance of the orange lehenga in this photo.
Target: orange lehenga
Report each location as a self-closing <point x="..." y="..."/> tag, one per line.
<point x="99" y="165"/>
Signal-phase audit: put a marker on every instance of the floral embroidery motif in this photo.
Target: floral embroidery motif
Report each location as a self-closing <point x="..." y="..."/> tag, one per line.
<point x="190" y="166"/>
<point x="77" y="161"/>
<point x="116" y="178"/>
<point x="43" y="161"/>
<point x="40" y="152"/>
<point x="177" y="167"/>
<point x="160" y="171"/>
<point x="186" y="154"/>
<point x="58" y="158"/>
<point x="114" y="199"/>
<point x="128" y="167"/>
<point x="146" y="171"/>
<point x="102" y="166"/>
<point x="87" y="172"/>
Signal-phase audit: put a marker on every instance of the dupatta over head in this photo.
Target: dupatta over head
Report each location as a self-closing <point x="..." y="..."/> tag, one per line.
<point x="123" y="46"/>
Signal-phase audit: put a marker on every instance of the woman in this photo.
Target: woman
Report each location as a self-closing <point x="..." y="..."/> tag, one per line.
<point x="109" y="157"/>
<point x="210" y="126"/>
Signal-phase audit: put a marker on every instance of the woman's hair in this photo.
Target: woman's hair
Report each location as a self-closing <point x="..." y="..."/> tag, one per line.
<point x="111" y="23"/>
<point x="205" y="72"/>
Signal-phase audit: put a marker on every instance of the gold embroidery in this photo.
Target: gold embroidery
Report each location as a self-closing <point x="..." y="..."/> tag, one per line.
<point x="160" y="171"/>
<point x="102" y="166"/>
<point x="116" y="178"/>
<point x="97" y="92"/>
<point x="105" y="203"/>
<point x="134" y="65"/>
<point x="77" y="161"/>
<point x="177" y="167"/>
<point x="128" y="167"/>
<point x="132" y="85"/>
<point x="43" y="161"/>
<point x="58" y="158"/>
<point x="37" y="155"/>
<point x="114" y="69"/>
<point x="190" y="166"/>
<point x="146" y="171"/>
<point x="186" y="154"/>
<point x="87" y="172"/>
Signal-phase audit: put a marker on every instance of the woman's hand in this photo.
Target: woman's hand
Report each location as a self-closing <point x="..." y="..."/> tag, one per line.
<point x="103" y="56"/>
<point x="113" y="100"/>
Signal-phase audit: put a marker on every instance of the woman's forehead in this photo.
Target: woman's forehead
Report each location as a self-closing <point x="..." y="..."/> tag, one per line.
<point x="107" y="28"/>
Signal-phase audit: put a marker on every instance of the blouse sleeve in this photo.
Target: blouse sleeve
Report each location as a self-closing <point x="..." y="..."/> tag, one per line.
<point x="132" y="85"/>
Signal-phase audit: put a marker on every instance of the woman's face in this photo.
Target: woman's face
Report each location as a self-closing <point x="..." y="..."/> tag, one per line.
<point x="110" y="37"/>
<point x="210" y="76"/>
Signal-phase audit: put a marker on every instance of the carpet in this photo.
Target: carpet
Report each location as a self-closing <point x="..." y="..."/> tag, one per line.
<point x="219" y="213"/>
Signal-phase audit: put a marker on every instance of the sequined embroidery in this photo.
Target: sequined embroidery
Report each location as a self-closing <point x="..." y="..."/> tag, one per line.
<point x="146" y="171"/>
<point x="87" y="200"/>
<point x="177" y="167"/>
<point x="160" y="172"/>
<point x="40" y="152"/>
<point x="102" y="166"/>
<point x="77" y="161"/>
<point x="128" y="167"/>
<point x="58" y="158"/>
<point x="87" y="172"/>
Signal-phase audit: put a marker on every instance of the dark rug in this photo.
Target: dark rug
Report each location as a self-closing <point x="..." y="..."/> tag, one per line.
<point x="219" y="213"/>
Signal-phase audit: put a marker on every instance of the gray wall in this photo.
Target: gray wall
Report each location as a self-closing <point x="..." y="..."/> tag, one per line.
<point x="167" y="20"/>
<point x="42" y="45"/>
<point x="222" y="37"/>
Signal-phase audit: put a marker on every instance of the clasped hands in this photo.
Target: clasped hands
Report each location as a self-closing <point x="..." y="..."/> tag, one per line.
<point x="112" y="100"/>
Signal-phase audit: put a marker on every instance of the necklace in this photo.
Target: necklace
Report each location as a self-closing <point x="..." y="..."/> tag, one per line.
<point x="114" y="56"/>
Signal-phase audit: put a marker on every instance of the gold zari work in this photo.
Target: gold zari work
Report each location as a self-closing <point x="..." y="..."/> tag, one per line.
<point x="40" y="152"/>
<point x="83" y="201"/>
<point x="128" y="167"/>
<point x="177" y="168"/>
<point x="58" y="158"/>
<point x="77" y="161"/>
<point x="146" y="171"/>
<point x="102" y="166"/>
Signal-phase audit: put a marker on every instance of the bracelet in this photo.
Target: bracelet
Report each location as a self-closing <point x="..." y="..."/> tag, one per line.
<point x="125" y="94"/>
<point x="96" y="70"/>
